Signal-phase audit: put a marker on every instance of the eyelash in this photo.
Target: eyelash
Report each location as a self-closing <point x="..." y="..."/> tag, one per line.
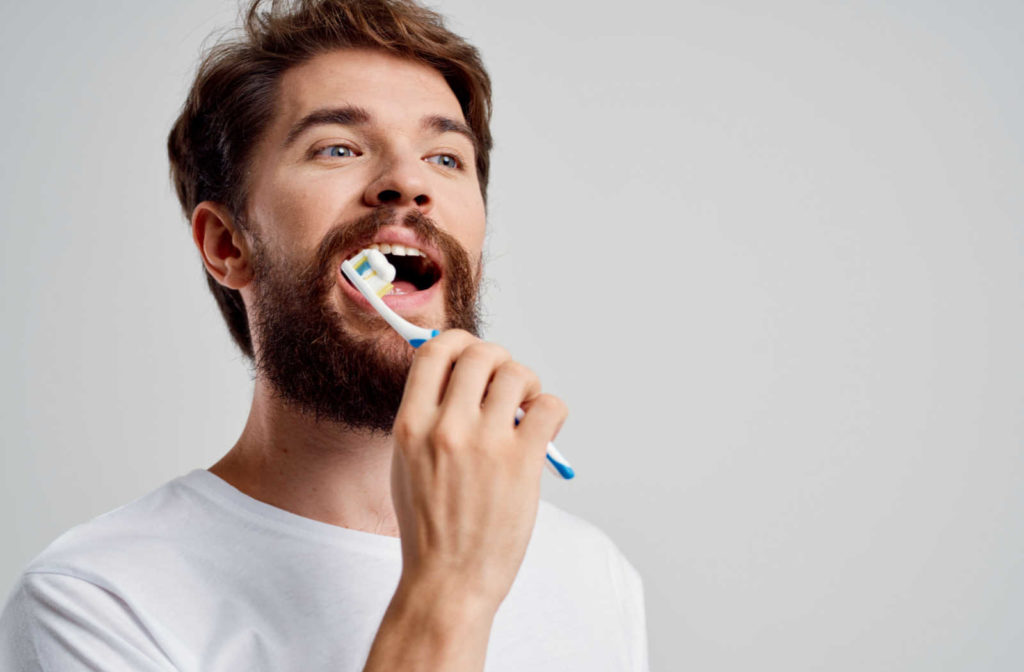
<point x="320" y="151"/>
<point x="459" y="164"/>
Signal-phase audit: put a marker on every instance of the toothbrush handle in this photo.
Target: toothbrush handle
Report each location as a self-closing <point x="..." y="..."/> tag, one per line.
<point x="556" y="462"/>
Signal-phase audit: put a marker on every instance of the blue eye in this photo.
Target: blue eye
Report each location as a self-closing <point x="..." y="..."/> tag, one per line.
<point x="336" y="151"/>
<point x="445" y="160"/>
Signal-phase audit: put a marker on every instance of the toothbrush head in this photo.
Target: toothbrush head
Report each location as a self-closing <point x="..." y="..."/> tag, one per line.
<point x="374" y="269"/>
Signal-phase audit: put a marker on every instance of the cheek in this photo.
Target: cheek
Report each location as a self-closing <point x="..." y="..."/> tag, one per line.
<point x="297" y="214"/>
<point x="472" y="225"/>
<point x="477" y="244"/>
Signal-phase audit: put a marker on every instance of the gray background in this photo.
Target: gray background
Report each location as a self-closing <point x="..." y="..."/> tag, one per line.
<point x="770" y="254"/>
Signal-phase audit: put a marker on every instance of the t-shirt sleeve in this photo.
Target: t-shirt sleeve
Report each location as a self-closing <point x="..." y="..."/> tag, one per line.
<point x="54" y="622"/>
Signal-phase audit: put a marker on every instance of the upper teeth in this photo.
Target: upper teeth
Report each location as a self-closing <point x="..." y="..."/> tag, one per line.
<point x="397" y="250"/>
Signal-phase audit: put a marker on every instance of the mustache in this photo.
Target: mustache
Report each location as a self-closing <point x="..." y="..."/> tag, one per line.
<point x="358" y="234"/>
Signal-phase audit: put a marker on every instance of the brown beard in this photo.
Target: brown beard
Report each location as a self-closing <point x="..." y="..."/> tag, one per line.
<point x="304" y="351"/>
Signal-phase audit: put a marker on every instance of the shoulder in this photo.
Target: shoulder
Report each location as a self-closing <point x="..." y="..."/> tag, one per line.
<point x="568" y="530"/>
<point x="77" y="604"/>
<point x="563" y="538"/>
<point x="132" y="536"/>
<point x="53" y="621"/>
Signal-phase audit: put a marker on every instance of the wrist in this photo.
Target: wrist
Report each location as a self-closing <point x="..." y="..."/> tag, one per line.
<point x="443" y="603"/>
<point x="428" y="629"/>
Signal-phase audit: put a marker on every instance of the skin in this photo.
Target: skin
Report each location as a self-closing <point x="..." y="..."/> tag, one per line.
<point x="455" y="479"/>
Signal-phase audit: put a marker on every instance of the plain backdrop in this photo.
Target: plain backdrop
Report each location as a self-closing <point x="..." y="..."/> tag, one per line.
<point x="770" y="253"/>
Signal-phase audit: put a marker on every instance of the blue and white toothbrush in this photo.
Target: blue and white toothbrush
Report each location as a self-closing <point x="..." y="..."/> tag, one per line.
<point x="372" y="274"/>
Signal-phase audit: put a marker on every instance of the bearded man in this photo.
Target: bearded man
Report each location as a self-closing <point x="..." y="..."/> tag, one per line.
<point x="380" y="510"/>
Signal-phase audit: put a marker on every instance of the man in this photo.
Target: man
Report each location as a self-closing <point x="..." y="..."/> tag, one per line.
<point x="380" y="510"/>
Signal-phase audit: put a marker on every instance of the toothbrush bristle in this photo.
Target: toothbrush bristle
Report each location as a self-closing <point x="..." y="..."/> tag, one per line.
<point x="374" y="270"/>
<point x="361" y="264"/>
<point x="380" y="265"/>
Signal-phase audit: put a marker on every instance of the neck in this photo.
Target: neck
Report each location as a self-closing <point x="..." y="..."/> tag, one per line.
<point x="321" y="470"/>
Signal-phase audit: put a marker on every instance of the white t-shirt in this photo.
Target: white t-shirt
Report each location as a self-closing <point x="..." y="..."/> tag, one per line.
<point x="199" y="576"/>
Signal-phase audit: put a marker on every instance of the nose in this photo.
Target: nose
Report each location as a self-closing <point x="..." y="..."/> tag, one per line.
<point x="400" y="183"/>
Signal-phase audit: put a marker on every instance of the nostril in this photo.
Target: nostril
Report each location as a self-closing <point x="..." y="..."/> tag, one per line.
<point x="421" y="199"/>
<point x="388" y="195"/>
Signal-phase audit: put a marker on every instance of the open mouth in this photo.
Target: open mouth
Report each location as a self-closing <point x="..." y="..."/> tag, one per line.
<point x="414" y="270"/>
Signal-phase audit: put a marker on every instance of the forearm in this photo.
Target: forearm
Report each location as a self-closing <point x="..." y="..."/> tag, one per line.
<point x="425" y="630"/>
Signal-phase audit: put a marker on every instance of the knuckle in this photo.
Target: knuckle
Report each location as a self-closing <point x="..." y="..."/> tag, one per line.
<point x="457" y="334"/>
<point x="459" y="339"/>
<point x="435" y="347"/>
<point x="446" y="344"/>
<point x="517" y="370"/>
<point x="404" y="431"/>
<point x="445" y="438"/>
<point x="553" y="405"/>
<point x="482" y="351"/>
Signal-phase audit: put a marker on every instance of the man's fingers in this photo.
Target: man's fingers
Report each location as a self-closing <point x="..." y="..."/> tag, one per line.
<point x="544" y="416"/>
<point x="430" y="370"/>
<point x="473" y="371"/>
<point x="460" y="379"/>
<point x="512" y="385"/>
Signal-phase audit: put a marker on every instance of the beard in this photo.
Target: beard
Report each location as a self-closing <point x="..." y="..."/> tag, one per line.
<point x="317" y="366"/>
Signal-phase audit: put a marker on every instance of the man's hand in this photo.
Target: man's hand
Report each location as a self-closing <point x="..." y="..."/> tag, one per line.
<point x="465" y="479"/>
<point x="466" y="485"/>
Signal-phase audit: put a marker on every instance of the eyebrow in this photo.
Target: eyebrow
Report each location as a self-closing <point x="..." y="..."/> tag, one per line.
<point x="440" y="124"/>
<point x="343" y="116"/>
<point x="357" y="116"/>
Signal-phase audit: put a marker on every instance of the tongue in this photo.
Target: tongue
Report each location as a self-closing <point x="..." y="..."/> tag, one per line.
<point x="403" y="287"/>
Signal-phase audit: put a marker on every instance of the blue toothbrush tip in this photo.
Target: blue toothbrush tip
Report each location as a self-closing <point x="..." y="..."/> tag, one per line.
<point x="564" y="470"/>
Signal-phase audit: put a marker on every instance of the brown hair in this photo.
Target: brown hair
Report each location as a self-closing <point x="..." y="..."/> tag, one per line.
<point x="234" y="93"/>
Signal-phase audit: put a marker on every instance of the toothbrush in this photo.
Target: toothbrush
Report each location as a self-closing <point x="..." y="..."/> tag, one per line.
<point x="372" y="274"/>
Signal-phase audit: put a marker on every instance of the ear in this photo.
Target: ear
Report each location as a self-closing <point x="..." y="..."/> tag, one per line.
<point x="222" y="245"/>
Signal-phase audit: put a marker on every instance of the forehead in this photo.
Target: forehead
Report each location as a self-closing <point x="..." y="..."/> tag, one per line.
<point x="392" y="89"/>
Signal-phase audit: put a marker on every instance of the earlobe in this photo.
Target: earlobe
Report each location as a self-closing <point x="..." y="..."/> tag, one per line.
<point x="222" y="245"/>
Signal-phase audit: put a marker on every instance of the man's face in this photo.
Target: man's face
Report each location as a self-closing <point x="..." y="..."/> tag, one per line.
<point x="364" y="147"/>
